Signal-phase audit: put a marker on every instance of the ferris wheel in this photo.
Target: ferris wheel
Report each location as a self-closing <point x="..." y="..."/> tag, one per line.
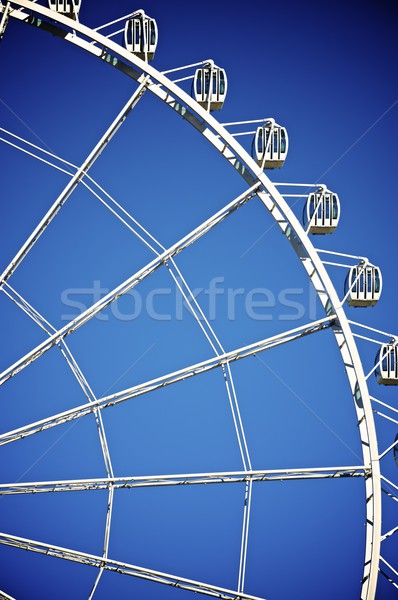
<point x="209" y="527"/>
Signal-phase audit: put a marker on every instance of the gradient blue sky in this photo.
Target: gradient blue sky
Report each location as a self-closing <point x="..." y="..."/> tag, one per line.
<point x="327" y="71"/>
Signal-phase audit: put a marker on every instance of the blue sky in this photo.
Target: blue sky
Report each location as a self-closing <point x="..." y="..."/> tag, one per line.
<point x="326" y="72"/>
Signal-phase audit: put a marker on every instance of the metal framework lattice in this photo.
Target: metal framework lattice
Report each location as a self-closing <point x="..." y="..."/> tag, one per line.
<point x="258" y="186"/>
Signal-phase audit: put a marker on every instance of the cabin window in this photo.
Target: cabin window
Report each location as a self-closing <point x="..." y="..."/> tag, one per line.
<point x="384" y="362"/>
<point x="260" y="142"/>
<point x="327" y="208"/>
<point x="283" y="141"/>
<point x="377" y="281"/>
<point x="199" y="83"/>
<point x="222" y="83"/>
<point x="214" y="75"/>
<point x="207" y="82"/>
<point x="137" y="32"/>
<point x="312" y="206"/>
<point x="355" y="280"/>
<point x="335" y="209"/>
<point x="361" y="281"/>
<point x="267" y="134"/>
<point x="153" y="33"/>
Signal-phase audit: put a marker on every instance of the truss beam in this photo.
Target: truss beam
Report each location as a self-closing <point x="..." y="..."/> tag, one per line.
<point x="72" y="184"/>
<point x="154" y="384"/>
<point x="123" y="288"/>
<point x="100" y="562"/>
<point x="240" y="160"/>
<point x="80" y="485"/>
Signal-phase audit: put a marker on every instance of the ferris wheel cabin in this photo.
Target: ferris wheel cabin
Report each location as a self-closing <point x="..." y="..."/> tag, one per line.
<point x="321" y="212"/>
<point x="270" y="146"/>
<point x="363" y="285"/>
<point x="141" y="36"/>
<point x="387" y="364"/>
<point x="69" y="8"/>
<point x="210" y="87"/>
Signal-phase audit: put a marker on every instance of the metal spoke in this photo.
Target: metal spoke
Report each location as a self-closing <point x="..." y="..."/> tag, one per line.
<point x="124" y="568"/>
<point x="82" y="181"/>
<point x="392" y="569"/>
<point x="217" y="347"/>
<point x="4" y="596"/>
<point x="389" y="533"/>
<point x="215" y="344"/>
<point x="181" y="284"/>
<point x="39" y="158"/>
<point x="39" y="148"/>
<point x="70" y="187"/>
<point x="245" y="535"/>
<point x="384" y="404"/>
<point x="380" y="414"/>
<point x="388" y="449"/>
<point x="389" y="482"/>
<point x="127" y="285"/>
<point x="105" y="551"/>
<point x="389" y="494"/>
<point x="204" y="325"/>
<point x="66" y="353"/>
<point x="74" y="367"/>
<point x="211" y="337"/>
<point x="389" y="578"/>
<point x="197" y="312"/>
<point x="26" y="308"/>
<point x="141" y="481"/>
<point x="154" y="384"/>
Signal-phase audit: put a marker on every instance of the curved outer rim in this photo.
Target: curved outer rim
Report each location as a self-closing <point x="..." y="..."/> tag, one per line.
<point x="290" y="225"/>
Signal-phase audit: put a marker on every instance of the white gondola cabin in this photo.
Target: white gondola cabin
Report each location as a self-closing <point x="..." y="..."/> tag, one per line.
<point x="396" y="450"/>
<point x="321" y="212"/>
<point x="363" y="285"/>
<point x="69" y="8"/>
<point x="270" y="146"/>
<point x="210" y="87"/>
<point x="141" y="36"/>
<point x="387" y="364"/>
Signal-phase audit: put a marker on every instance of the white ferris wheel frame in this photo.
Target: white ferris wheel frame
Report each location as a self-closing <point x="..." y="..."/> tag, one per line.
<point x="161" y="86"/>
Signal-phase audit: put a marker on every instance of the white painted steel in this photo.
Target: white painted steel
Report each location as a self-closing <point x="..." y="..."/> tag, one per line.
<point x="141" y="35"/>
<point x="210" y="87"/>
<point x="71" y="186"/>
<point x="4" y="19"/>
<point x="270" y="145"/>
<point x="66" y="353"/>
<point x="321" y="212"/>
<point x="169" y="379"/>
<point x="99" y="562"/>
<point x="383" y="333"/>
<point x="274" y="202"/>
<point x="81" y="485"/>
<point x="384" y="404"/>
<point x="4" y="596"/>
<point x="387" y="364"/>
<point x="123" y="288"/>
<point x="363" y="285"/>
<point x="70" y="8"/>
